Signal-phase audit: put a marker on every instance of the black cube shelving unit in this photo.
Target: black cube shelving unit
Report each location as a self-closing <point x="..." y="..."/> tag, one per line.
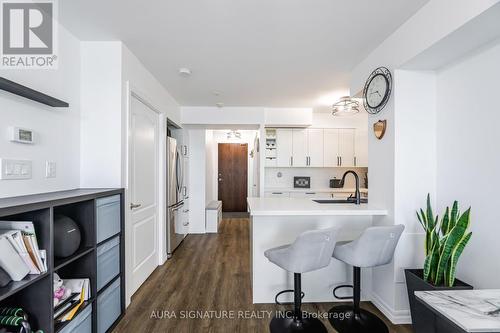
<point x="35" y="292"/>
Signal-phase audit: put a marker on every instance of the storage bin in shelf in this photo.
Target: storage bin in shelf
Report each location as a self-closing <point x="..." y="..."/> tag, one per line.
<point x="108" y="217"/>
<point x="108" y="306"/>
<point x="108" y="262"/>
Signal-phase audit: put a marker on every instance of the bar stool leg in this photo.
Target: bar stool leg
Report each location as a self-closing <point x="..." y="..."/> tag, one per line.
<point x="352" y="318"/>
<point x="294" y="321"/>
<point x="297" y="296"/>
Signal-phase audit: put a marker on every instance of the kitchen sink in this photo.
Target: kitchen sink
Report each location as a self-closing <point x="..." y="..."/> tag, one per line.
<point x="340" y="201"/>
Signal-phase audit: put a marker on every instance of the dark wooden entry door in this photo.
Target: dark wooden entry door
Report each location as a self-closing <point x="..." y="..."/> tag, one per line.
<point x="233" y="176"/>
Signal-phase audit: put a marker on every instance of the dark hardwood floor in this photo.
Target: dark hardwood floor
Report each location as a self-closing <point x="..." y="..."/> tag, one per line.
<point x="208" y="273"/>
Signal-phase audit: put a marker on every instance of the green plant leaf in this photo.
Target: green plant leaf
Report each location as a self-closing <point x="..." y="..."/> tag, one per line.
<point x="455" y="255"/>
<point x="431" y="263"/>
<point x="454" y="237"/>
<point x="430" y="215"/>
<point x="453" y="216"/>
<point x="445" y="222"/>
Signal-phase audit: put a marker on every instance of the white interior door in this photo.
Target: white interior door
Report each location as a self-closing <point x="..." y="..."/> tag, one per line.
<point x="143" y="171"/>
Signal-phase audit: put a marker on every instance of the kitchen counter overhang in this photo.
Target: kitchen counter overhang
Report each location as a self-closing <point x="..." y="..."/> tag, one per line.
<point x="307" y="207"/>
<point x="278" y="221"/>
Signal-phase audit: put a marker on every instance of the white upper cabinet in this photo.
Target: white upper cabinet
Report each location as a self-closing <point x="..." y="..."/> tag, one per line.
<point x="315" y="144"/>
<point x="331" y="148"/>
<point x="347" y="154"/>
<point x="317" y="147"/>
<point x="284" y="151"/>
<point x="300" y="157"/>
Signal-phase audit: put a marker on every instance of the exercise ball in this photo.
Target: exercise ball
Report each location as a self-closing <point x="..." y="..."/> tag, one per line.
<point x="67" y="236"/>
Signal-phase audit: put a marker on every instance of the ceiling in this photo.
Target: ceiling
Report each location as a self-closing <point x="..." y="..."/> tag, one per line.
<point x="274" y="53"/>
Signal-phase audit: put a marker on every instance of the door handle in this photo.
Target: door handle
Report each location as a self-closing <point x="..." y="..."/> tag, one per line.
<point x="133" y="206"/>
<point x="220" y="179"/>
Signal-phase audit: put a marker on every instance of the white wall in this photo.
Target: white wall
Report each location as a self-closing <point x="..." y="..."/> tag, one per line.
<point x="101" y="127"/>
<point x="57" y="129"/>
<point x="197" y="180"/>
<point x="211" y="178"/>
<point x="468" y="158"/>
<point x="388" y="170"/>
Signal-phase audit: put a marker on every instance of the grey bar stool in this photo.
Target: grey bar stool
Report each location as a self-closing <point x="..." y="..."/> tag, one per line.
<point x="375" y="247"/>
<point x="311" y="251"/>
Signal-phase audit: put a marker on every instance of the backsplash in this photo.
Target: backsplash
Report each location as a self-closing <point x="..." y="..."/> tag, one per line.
<point x="320" y="177"/>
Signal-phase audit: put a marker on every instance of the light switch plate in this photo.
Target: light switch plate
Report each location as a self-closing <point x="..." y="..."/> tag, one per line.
<point x="50" y="169"/>
<point x="15" y="169"/>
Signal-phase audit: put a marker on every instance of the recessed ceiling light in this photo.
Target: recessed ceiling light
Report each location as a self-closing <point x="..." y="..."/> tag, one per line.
<point x="184" y="72"/>
<point x="219" y="105"/>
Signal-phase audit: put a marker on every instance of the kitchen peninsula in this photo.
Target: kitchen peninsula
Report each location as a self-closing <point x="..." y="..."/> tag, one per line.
<point x="278" y="221"/>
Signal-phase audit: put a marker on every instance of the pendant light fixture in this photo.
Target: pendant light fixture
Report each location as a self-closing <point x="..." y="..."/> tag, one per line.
<point x="346" y="106"/>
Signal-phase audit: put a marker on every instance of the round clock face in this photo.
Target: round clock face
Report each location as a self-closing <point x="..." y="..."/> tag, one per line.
<point x="377" y="90"/>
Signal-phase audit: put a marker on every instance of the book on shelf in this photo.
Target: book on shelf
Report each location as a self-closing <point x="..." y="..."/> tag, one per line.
<point x="67" y="308"/>
<point x="21" y="236"/>
<point x="11" y="261"/>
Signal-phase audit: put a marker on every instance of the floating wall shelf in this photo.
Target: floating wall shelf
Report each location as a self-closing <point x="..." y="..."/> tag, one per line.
<point x="29" y="93"/>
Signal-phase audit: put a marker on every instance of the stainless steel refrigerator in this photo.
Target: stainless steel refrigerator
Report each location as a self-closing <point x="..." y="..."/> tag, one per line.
<point x="176" y="231"/>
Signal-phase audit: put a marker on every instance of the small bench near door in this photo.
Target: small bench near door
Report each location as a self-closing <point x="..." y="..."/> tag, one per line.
<point x="213" y="216"/>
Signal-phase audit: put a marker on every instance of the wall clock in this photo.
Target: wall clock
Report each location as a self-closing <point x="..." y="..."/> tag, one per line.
<point x="377" y="90"/>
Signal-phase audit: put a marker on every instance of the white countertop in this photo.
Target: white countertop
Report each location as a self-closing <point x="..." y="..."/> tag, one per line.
<point x="317" y="190"/>
<point x="471" y="310"/>
<point x="304" y="206"/>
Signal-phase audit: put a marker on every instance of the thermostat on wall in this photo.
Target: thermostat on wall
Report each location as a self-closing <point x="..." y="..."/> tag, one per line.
<point x="22" y="135"/>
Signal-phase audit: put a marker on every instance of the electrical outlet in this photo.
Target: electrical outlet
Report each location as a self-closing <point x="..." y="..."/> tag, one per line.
<point x="15" y="169"/>
<point x="50" y="169"/>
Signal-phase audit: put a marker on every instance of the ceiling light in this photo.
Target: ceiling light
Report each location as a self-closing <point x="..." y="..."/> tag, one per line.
<point x="346" y="106"/>
<point x="219" y="105"/>
<point x="185" y="72"/>
<point x="234" y="134"/>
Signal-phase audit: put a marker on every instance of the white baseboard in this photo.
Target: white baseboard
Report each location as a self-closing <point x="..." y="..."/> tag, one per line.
<point x="397" y="317"/>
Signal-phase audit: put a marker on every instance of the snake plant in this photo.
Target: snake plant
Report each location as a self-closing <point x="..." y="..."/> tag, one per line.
<point x="445" y="241"/>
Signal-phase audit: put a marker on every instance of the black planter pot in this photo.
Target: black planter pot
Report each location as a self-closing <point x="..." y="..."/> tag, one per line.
<point x="423" y="320"/>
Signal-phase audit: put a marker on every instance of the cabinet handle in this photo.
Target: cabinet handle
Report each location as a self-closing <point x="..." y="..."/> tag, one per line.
<point x="291" y="160"/>
<point x="277" y="192"/>
<point x="340" y="161"/>
<point x="355" y="161"/>
<point x="185" y="224"/>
